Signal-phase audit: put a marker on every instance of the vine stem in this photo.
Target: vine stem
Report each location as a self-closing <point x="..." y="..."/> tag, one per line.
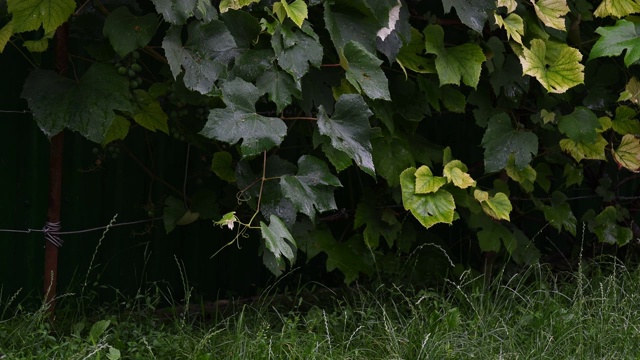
<point x="262" y="180"/>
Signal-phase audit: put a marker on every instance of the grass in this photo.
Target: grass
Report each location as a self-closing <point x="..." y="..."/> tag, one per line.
<point x="591" y="314"/>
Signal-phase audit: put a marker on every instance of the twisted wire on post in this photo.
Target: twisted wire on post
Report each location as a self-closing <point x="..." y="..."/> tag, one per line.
<point x="51" y="233"/>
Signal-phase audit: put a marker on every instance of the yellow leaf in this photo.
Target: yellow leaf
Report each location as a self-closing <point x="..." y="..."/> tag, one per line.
<point x="514" y="26"/>
<point x="581" y="151"/>
<point x="627" y="155"/>
<point x="616" y="8"/>
<point x="511" y="5"/>
<point x="456" y="172"/>
<point x="551" y="12"/>
<point x="5" y="34"/>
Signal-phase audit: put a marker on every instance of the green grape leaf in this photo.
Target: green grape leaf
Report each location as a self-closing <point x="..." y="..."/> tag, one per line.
<point x="551" y="12"/>
<point x="525" y="176"/>
<point x="222" y="166"/>
<point x="501" y="141"/>
<point x="462" y="62"/>
<point x="29" y="15"/>
<point x="455" y="171"/>
<point x="377" y="223"/>
<point x="556" y="66"/>
<point x="86" y="106"/>
<point x="345" y="26"/>
<point x="498" y="206"/>
<point x="511" y="5"/>
<point x="280" y="86"/>
<point x="391" y="157"/>
<point x="617" y="8"/>
<point x="428" y="209"/>
<point x="627" y="155"/>
<point x="605" y="226"/>
<point x="338" y="159"/>
<point x="513" y="24"/>
<point x="239" y="120"/>
<point x="174" y="212"/>
<point x="489" y="240"/>
<point x="252" y="63"/>
<point x="426" y="182"/>
<point x="473" y="13"/>
<point x="296" y="49"/>
<point x="631" y="91"/>
<point x="279" y="245"/>
<point x="41" y="44"/>
<point x="296" y="11"/>
<point x="349" y="129"/>
<point x="226" y="5"/>
<point x="311" y="189"/>
<point x="127" y="32"/>
<point x="364" y="73"/>
<point x="204" y="57"/>
<point x="149" y="113"/>
<point x="625" y="123"/>
<point x="411" y="56"/>
<point x="118" y="130"/>
<point x="559" y="214"/>
<point x="543" y="175"/>
<point x="623" y="36"/>
<point x="176" y="12"/>
<point x="5" y="35"/>
<point x="579" y="150"/>
<point x="573" y="174"/>
<point x="244" y="28"/>
<point x="580" y="126"/>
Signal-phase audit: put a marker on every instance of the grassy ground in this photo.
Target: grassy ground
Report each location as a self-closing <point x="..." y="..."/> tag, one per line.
<point x="592" y="314"/>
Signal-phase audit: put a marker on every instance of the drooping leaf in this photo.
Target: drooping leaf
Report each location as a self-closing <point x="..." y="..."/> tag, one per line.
<point x="225" y="5"/>
<point x="296" y="11"/>
<point x="525" y="176"/>
<point x="279" y="245"/>
<point x="364" y="72"/>
<point x="513" y="24"/>
<point x="377" y="223"/>
<point x="428" y="209"/>
<point x="462" y="62"/>
<point x="349" y="129"/>
<point x="86" y="106"/>
<point x="473" y="13"/>
<point x="149" y="113"/>
<point x="623" y="36"/>
<point x="127" y="32"/>
<point x="296" y="49"/>
<point x="221" y="165"/>
<point x="455" y="171"/>
<point x="556" y="65"/>
<point x="581" y="125"/>
<point x="580" y="151"/>
<point x="5" y="35"/>
<point x="501" y="141"/>
<point x="551" y="12"/>
<point x="29" y="15"/>
<point x="280" y="87"/>
<point x="631" y="91"/>
<point x="605" y="226"/>
<point x="391" y="157"/>
<point x="627" y="154"/>
<point x="205" y="55"/>
<point x="118" y="130"/>
<point x="498" y="206"/>
<point x="311" y="189"/>
<point x="617" y="8"/>
<point x="411" y="56"/>
<point x="559" y="214"/>
<point x="239" y="120"/>
<point x="426" y="182"/>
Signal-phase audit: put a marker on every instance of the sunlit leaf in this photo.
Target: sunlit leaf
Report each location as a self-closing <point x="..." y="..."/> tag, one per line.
<point x="428" y="209"/>
<point x="556" y="65"/>
<point x="426" y="182"/>
<point x="513" y="24"/>
<point x="30" y="15"/>
<point x="627" y="154"/>
<point x="551" y="12"/>
<point x="631" y="91"/>
<point x="623" y="36"/>
<point x="296" y="11"/>
<point x="617" y="8"/>
<point x="225" y="5"/>
<point x="455" y="171"/>
<point x="5" y="35"/>
<point x="498" y="206"/>
<point x="580" y="151"/>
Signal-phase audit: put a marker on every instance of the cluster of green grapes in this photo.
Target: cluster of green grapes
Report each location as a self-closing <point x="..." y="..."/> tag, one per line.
<point x="110" y="152"/>
<point x="130" y="67"/>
